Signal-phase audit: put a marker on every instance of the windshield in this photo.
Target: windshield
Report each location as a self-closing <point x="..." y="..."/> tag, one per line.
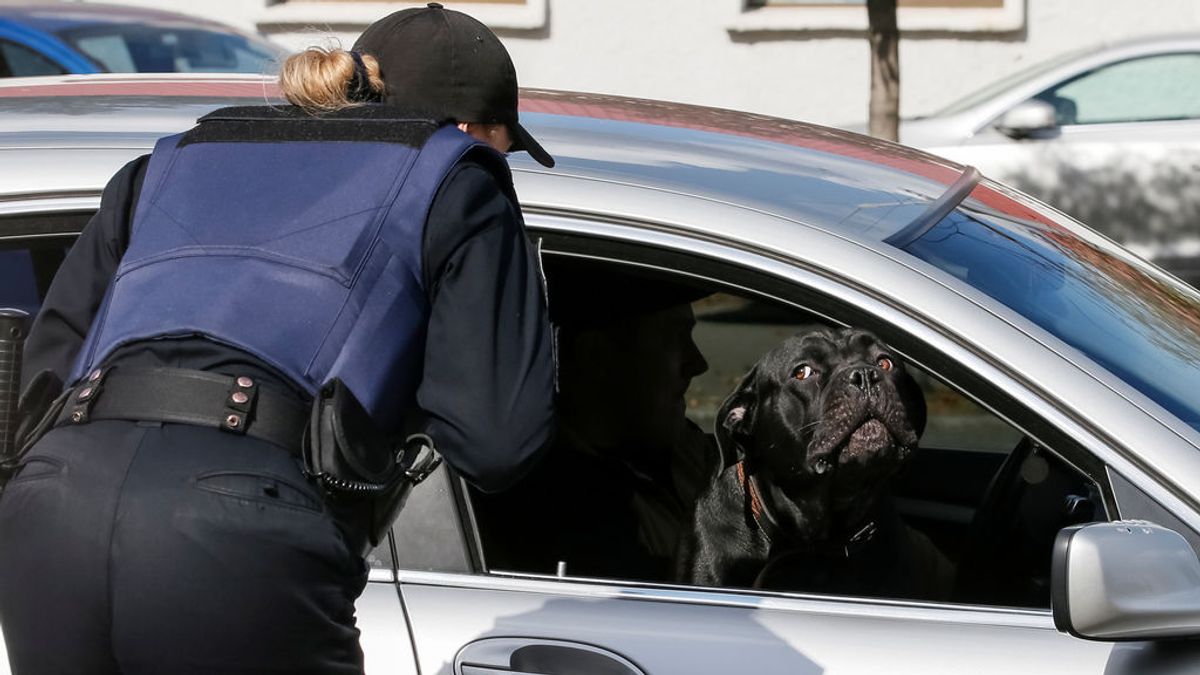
<point x="166" y="49"/>
<point x="1139" y="324"/>
<point x="1008" y="82"/>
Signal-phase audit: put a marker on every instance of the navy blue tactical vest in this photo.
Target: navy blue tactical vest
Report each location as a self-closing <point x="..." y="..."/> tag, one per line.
<point x="297" y="240"/>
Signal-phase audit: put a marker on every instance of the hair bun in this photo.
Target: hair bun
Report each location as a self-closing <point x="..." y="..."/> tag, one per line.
<point x="320" y="80"/>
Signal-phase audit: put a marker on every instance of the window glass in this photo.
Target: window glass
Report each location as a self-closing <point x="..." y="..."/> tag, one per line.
<point x="20" y="61"/>
<point x="1142" y="327"/>
<point x="26" y="271"/>
<point x="1008" y="82"/>
<point x="152" y="49"/>
<point x="644" y="381"/>
<point x="110" y="51"/>
<point x="1165" y="87"/>
<point x="18" y="285"/>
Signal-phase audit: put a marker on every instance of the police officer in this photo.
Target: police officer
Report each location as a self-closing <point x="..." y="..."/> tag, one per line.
<point x="370" y="260"/>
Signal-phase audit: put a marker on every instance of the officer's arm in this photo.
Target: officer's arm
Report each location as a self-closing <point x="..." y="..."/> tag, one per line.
<point x="489" y="376"/>
<point x="79" y="286"/>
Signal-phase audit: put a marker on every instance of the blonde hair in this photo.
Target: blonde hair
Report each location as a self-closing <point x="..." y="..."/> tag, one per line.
<point x="318" y="79"/>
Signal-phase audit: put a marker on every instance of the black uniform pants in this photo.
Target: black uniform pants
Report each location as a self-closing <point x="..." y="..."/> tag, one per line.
<point x="133" y="548"/>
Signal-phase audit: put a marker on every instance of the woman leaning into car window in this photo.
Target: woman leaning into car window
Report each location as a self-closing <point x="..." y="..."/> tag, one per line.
<point x="258" y="315"/>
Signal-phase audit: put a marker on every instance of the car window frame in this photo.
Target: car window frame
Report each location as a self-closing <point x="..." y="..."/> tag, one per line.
<point x="1105" y="66"/>
<point x="757" y="281"/>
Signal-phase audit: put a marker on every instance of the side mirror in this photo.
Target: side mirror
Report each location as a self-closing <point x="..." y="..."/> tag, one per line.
<point x="1034" y="117"/>
<point x="1125" y="580"/>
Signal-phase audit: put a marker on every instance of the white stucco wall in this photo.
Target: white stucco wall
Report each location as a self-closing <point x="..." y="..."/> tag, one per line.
<point x="684" y="50"/>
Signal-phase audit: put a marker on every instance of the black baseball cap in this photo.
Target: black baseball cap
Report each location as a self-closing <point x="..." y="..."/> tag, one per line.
<point x="445" y="63"/>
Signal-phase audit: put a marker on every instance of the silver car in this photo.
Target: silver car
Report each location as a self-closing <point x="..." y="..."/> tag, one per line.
<point x="1109" y="134"/>
<point x="1060" y="373"/>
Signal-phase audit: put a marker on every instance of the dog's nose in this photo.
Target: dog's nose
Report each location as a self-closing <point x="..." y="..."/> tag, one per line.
<point x="863" y="378"/>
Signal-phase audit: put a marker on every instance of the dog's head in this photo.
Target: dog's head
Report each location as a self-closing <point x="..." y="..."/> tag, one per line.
<point x="824" y="419"/>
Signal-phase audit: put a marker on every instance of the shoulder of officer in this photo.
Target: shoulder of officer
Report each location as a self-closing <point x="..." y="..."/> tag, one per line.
<point x="265" y="123"/>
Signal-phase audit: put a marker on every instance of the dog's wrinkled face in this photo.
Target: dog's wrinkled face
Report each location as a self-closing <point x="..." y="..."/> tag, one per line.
<point x="824" y="419"/>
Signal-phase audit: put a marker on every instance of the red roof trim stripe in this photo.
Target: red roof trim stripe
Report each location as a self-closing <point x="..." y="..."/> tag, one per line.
<point x="747" y="125"/>
<point x="775" y="130"/>
<point x="264" y="90"/>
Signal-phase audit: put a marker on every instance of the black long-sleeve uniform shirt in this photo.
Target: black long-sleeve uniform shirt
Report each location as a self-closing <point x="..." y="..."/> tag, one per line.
<point x="486" y="394"/>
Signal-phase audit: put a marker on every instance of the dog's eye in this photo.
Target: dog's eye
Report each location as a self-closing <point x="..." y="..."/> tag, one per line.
<point x="804" y="372"/>
<point x="885" y="363"/>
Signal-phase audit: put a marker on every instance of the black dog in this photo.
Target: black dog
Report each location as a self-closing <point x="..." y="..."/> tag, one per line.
<point x="810" y="437"/>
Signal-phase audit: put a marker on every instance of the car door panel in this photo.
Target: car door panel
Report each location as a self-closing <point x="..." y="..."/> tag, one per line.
<point x="387" y="648"/>
<point x="701" y="632"/>
<point x="688" y="630"/>
<point x="530" y="655"/>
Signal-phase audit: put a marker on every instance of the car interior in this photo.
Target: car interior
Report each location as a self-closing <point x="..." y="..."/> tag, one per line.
<point x="988" y="495"/>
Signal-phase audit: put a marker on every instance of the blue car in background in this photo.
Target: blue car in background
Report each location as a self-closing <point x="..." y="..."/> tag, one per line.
<point x="37" y="40"/>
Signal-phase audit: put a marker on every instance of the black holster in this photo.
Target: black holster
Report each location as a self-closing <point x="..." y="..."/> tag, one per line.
<point x="367" y="475"/>
<point x="40" y="404"/>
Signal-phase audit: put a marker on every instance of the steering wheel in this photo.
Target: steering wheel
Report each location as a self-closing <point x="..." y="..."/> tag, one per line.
<point x="1006" y="557"/>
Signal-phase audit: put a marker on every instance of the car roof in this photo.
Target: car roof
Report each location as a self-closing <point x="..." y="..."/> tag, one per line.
<point x="57" y="17"/>
<point x="844" y="183"/>
<point x="1181" y="39"/>
<point x="795" y="170"/>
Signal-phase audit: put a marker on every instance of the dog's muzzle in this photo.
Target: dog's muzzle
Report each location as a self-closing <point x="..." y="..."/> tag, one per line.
<point x="862" y="420"/>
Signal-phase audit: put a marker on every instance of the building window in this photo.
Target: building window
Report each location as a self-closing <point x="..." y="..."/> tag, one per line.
<point x="354" y="15"/>
<point x="948" y="4"/>
<point x="970" y="16"/>
<point x="392" y="2"/>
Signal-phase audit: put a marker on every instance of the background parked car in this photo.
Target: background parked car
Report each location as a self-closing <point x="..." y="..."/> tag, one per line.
<point x="1059" y="371"/>
<point x="91" y="38"/>
<point x="1110" y="134"/>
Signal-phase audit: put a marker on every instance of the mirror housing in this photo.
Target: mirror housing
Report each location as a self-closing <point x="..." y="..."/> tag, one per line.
<point x="1125" y="580"/>
<point x="1028" y="119"/>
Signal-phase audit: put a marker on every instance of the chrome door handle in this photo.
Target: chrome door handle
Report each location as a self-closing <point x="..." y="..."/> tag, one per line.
<point x="520" y="656"/>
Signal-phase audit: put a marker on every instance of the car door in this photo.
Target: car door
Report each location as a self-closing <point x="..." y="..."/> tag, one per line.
<point x="1124" y="155"/>
<point x="471" y="616"/>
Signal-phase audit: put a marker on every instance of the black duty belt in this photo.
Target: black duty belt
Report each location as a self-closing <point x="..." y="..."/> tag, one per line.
<point x="236" y="404"/>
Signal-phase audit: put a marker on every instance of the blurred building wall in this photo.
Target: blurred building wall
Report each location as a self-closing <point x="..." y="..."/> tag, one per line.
<point x="800" y="62"/>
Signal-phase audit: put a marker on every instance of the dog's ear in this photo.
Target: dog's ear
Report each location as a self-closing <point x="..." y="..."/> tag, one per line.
<point x="914" y="401"/>
<point x="735" y="419"/>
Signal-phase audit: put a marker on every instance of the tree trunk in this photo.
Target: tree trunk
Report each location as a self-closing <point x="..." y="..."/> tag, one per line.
<point x="885" y="69"/>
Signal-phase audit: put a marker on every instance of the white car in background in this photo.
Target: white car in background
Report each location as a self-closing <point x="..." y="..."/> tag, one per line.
<point x="1109" y="134"/>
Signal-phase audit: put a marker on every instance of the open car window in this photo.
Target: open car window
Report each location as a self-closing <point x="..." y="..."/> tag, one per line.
<point x="975" y="510"/>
